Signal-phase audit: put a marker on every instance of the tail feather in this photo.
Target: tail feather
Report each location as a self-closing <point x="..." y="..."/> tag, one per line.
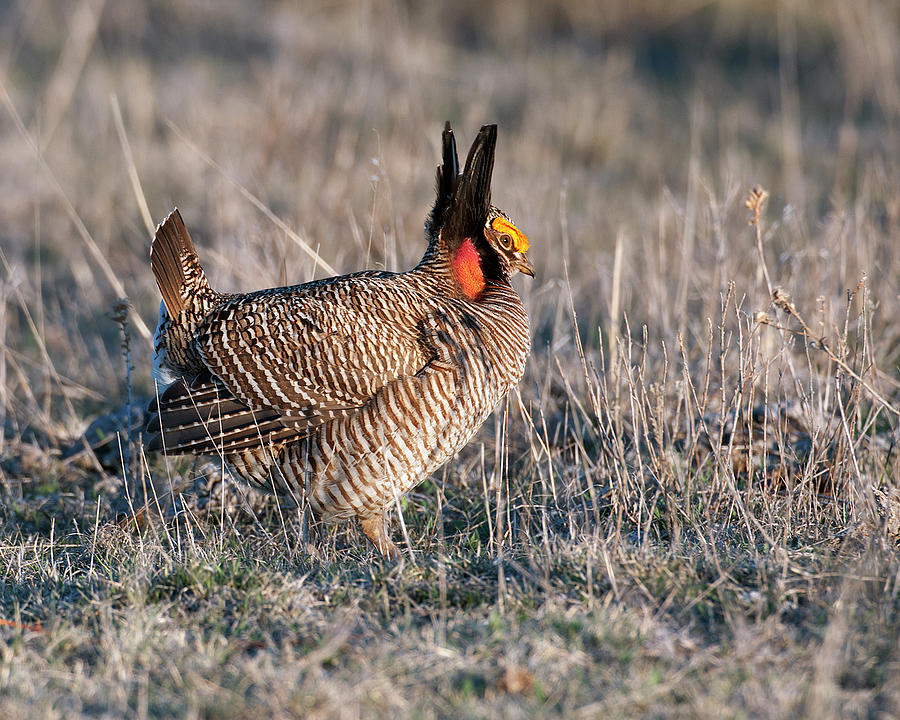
<point x="175" y="265"/>
<point x="204" y="417"/>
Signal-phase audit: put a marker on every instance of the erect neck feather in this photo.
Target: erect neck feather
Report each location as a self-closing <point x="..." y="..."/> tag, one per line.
<point x="467" y="269"/>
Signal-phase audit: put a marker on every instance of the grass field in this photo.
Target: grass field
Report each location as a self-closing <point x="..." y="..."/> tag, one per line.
<point x="690" y="508"/>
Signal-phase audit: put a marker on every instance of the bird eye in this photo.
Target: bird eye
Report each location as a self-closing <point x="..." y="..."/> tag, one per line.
<point x="505" y="240"/>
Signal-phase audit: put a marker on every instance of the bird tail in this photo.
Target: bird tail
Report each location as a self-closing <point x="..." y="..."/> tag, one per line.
<point x="182" y="282"/>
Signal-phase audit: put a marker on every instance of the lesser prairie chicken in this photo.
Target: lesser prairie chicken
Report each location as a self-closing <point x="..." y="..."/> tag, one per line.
<point x="347" y="392"/>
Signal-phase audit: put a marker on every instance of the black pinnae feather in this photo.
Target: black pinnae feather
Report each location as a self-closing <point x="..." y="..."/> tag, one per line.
<point x="472" y="201"/>
<point x="446" y="180"/>
<point x="450" y="176"/>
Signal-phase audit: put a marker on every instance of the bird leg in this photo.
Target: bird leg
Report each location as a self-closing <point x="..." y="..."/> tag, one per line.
<point x="375" y="528"/>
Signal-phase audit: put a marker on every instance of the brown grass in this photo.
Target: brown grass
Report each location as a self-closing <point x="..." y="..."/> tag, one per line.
<point x="689" y="508"/>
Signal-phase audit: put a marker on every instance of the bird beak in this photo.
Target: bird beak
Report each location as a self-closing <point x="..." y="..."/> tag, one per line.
<point x="523" y="265"/>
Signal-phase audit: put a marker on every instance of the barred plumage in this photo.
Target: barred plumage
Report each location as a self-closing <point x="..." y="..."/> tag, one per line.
<point x="347" y="392"/>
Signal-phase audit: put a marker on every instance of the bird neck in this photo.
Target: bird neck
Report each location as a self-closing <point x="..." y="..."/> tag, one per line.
<point x="463" y="269"/>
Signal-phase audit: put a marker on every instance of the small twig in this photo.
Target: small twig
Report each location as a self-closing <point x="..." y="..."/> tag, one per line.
<point x="120" y="315"/>
<point x="782" y="300"/>
<point x="136" y="188"/>
<point x="755" y="202"/>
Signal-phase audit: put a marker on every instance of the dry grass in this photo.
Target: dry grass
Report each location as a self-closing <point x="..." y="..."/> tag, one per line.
<point x="690" y="508"/>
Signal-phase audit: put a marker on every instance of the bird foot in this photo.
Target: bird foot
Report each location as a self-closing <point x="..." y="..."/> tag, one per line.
<point x="375" y="528"/>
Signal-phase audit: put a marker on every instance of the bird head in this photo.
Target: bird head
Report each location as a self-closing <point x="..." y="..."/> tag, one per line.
<point x="482" y="241"/>
<point x="508" y="242"/>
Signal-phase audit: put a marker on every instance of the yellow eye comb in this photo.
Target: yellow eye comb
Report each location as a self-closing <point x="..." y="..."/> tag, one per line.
<point x="519" y="239"/>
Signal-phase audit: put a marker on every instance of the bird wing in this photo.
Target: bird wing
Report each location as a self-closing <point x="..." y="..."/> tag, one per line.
<point x="282" y="362"/>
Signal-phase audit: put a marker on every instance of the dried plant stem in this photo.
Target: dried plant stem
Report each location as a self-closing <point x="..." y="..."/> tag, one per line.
<point x="782" y="300"/>
<point x="257" y="203"/>
<point x="83" y="233"/>
<point x="136" y="188"/>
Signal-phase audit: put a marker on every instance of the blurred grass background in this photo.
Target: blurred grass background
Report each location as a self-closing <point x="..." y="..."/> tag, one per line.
<point x="630" y="134"/>
<point x="616" y="118"/>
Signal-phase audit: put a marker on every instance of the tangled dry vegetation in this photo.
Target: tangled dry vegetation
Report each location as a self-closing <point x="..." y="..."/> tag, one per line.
<point x="689" y="508"/>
